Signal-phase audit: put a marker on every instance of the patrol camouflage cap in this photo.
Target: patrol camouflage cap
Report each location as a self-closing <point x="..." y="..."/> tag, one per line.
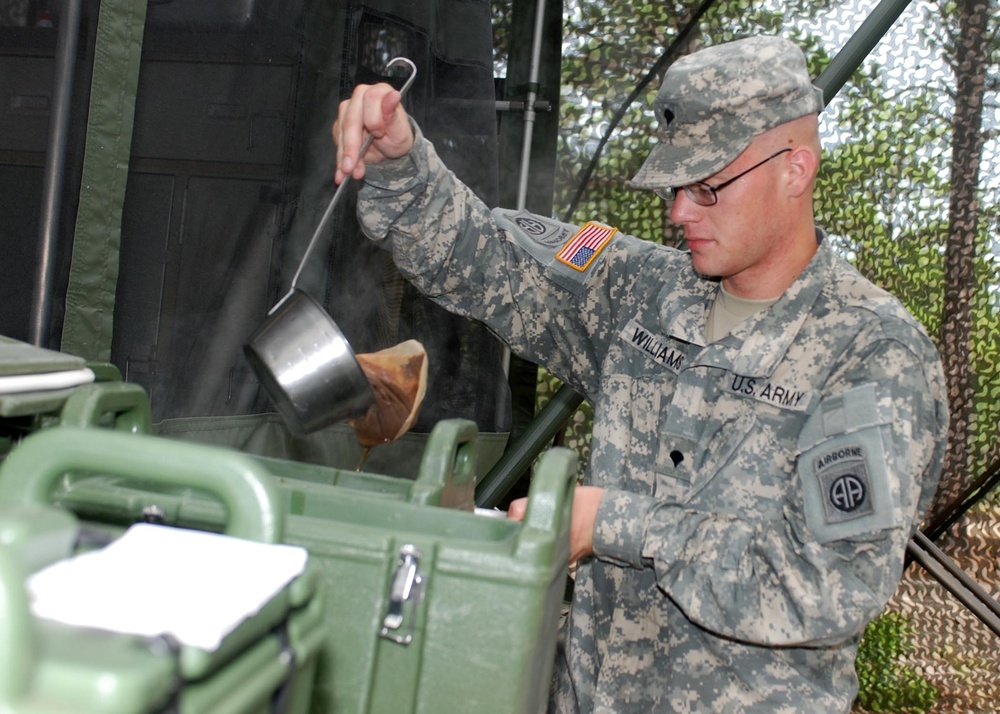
<point x="712" y="103"/>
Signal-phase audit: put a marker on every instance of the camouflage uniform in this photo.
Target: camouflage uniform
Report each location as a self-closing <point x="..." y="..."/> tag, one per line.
<point x="760" y="489"/>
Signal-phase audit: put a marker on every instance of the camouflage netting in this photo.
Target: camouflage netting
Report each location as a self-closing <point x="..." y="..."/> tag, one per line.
<point x="908" y="192"/>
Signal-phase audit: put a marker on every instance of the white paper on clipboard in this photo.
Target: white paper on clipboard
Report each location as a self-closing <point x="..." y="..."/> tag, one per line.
<point x="156" y="580"/>
<point x="43" y="381"/>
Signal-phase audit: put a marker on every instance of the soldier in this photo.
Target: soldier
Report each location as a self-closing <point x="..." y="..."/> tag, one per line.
<point x="769" y="426"/>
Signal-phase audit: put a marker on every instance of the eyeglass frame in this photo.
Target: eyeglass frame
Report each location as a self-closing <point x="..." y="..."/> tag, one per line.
<point x="669" y="194"/>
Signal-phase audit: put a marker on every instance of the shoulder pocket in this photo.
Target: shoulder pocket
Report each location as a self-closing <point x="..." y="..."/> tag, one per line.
<point x="568" y="254"/>
<point x="842" y="468"/>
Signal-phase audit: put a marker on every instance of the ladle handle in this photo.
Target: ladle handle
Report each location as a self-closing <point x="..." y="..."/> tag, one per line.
<point x="328" y="213"/>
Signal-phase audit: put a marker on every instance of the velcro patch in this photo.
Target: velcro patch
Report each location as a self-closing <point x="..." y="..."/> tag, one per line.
<point x="580" y="250"/>
<point x="845" y="487"/>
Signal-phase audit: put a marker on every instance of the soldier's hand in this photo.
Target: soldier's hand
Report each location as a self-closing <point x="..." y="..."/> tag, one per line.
<point x="374" y="109"/>
<point x="586" y="499"/>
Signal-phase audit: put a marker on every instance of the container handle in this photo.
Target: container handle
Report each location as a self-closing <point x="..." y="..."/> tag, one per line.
<point x="18" y="647"/>
<point x="246" y="490"/>
<point x="127" y="402"/>
<point x="448" y="465"/>
<point x="550" y="500"/>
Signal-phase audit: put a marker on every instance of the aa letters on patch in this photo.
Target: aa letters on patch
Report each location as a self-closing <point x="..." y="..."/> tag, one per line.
<point x="580" y="250"/>
<point x="842" y="468"/>
<point x="845" y="483"/>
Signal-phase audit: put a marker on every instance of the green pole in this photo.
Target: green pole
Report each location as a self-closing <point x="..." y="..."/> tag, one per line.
<point x="538" y="434"/>
<point x="860" y="44"/>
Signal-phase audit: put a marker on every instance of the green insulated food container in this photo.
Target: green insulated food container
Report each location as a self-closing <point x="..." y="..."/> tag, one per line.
<point x="428" y="609"/>
<point x="446" y="477"/>
<point x="433" y="610"/>
<point x="36" y="384"/>
<point x="266" y="663"/>
<point x="108" y="404"/>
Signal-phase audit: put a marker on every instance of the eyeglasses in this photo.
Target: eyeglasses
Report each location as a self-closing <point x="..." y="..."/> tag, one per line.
<point x="705" y="195"/>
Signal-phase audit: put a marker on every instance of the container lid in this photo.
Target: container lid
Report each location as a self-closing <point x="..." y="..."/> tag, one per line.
<point x="18" y="358"/>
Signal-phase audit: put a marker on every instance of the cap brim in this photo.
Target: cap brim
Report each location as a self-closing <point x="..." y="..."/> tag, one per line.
<point x="671" y="165"/>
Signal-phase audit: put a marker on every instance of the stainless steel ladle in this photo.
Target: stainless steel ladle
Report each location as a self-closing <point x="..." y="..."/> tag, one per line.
<point x="300" y="356"/>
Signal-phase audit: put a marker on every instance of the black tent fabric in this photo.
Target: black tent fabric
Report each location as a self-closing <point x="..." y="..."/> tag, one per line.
<point x="229" y="172"/>
<point x="232" y="168"/>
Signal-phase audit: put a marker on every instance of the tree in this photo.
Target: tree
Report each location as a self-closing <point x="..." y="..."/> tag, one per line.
<point x="969" y="47"/>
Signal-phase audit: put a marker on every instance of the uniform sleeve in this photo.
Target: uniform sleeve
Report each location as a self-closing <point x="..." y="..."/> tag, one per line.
<point x="495" y="266"/>
<point x="805" y="578"/>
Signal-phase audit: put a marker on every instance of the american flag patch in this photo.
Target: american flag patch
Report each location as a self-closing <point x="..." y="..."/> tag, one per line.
<point x="582" y="248"/>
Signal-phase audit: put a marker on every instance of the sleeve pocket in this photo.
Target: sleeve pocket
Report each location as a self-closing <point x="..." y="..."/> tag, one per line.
<point x="843" y="472"/>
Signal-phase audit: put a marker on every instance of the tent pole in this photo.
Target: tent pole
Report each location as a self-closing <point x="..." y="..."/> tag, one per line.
<point x="529" y="107"/>
<point x="518" y="457"/>
<point x="529" y="130"/>
<point x="966" y="590"/>
<point x="55" y="164"/>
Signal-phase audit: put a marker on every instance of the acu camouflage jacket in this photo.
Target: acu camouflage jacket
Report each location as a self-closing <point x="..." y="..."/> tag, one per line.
<point x="760" y="489"/>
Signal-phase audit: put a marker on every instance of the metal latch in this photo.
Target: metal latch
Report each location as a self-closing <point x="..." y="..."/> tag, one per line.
<point x="404" y="595"/>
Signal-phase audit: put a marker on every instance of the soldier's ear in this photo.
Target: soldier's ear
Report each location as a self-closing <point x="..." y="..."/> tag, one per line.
<point x="803" y="163"/>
